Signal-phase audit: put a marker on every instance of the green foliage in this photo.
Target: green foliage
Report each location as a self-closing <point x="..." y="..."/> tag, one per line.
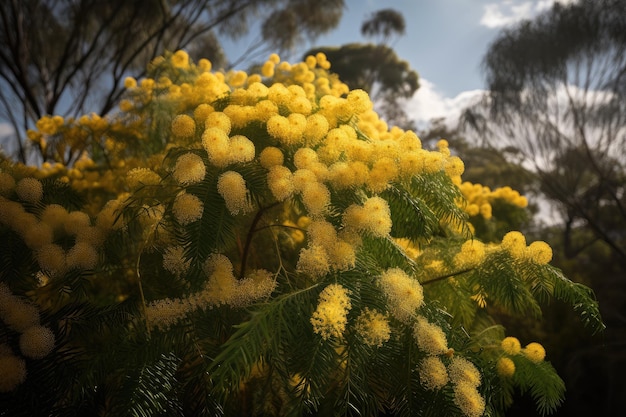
<point x="258" y="275"/>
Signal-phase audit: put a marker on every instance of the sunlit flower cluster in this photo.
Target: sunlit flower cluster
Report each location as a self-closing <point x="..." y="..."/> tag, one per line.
<point x="330" y="317"/>
<point x="472" y="253"/>
<point x="479" y="198"/>
<point x="404" y="294"/>
<point x="535" y="352"/>
<point x="466" y="378"/>
<point x="538" y="252"/>
<point x="232" y="187"/>
<point x="505" y="367"/>
<point x="430" y="337"/>
<point x="433" y="373"/>
<point x="222" y="287"/>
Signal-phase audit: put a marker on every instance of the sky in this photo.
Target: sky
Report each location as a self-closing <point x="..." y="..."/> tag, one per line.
<point x="445" y="42"/>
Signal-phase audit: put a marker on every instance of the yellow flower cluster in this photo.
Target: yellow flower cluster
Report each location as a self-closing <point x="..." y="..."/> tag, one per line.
<point x="472" y="253"/>
<point x="326" y="250"/>
<point x="373" y="327"/>
<point x="35" y="341"/>
<point x="511" y="345"/>
<point x="535" y="352"/>
<point x="374" y="216"/>
<point x="505" y="367"/>
<point x="404" y="294"/>
<point x="538" y="252"/>
<point x="479" y="198"/>
<point x="187" y="208"/>
<point x="430" y="338"/>
<point x="222" y="287"/>
<point x="189" y="169"/>
<point x="232" y="187"/>
<point x="433" y="373"/>
<point x="466" y="378"/>
<point x="330" y="317"/>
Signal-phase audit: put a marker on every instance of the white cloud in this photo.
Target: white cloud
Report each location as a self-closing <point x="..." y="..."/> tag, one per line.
<point x="5" y="129"/>
<point x="508" y="12"/>
<point x="428" y="103"/>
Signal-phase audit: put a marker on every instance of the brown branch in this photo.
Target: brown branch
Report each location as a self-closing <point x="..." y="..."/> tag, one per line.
<point x="441" y="278"/>
<point x="251" y="231"/>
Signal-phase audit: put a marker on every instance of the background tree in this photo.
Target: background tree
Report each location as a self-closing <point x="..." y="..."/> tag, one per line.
<point x="375" y="67"/>
<point x="556" y="92"/>
<point x="65" y="57"/>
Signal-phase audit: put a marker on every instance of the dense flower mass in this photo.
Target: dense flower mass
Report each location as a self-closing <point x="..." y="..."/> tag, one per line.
<point x="404" y="294"/>
<point x="330" y="317"/>
<point x="267" y="229"/>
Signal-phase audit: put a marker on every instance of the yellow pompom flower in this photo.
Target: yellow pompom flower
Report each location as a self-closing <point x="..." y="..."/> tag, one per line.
<point x="453" y="166"/>
<point x="130" y="82"/>
<point x="539" y="252"/>
<point x="232" y="187"/>
<point x="515" y="243"/>
<point x="13" y="371"/>
<point x="469" y="400"/>
<point x="183" y="126"/>
<point x="267" y="70"/>
<point x="241" y="149"/>
<point x="462" y="371"/>
<point x="37" y="342"/>
<point x="373" y="327"/>
<point x="316" y="128"/>
<point x="511" y="345"/>
<point x="280" y="182"/>
<point x="217" y="145"/>
<point x="404" y="294"/>
<point x="535" y="352"/>
<point x="187" y="208"/>
<point x="180" y="59"/>
<point x="316" y="198"/>
<point x="29" y="190"/>
<point x="505" y="367"/>
<point x="238" y="78"/>
<point x="313" y="261"/>
<point x="189" y="169"/>
<point x="433" y="373"/>
<point x="218" y="120"/>
<point x="271" y="156"/>
<point x="472" y="254"/>
<point x="378" y="216"/>
<point x="330" y="317"/>
<point x="142" y="176"/>
<point x="430" y="338"/>
<point x="359" y="101"/>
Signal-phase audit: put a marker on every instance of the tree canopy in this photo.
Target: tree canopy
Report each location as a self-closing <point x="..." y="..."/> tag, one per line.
<point x="64" y="57"/>
<point x="557" y="89"/>
<point x="375" y="67"/>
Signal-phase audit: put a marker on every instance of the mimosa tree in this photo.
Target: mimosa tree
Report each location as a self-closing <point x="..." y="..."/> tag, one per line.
<point x="247" y="244"/>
